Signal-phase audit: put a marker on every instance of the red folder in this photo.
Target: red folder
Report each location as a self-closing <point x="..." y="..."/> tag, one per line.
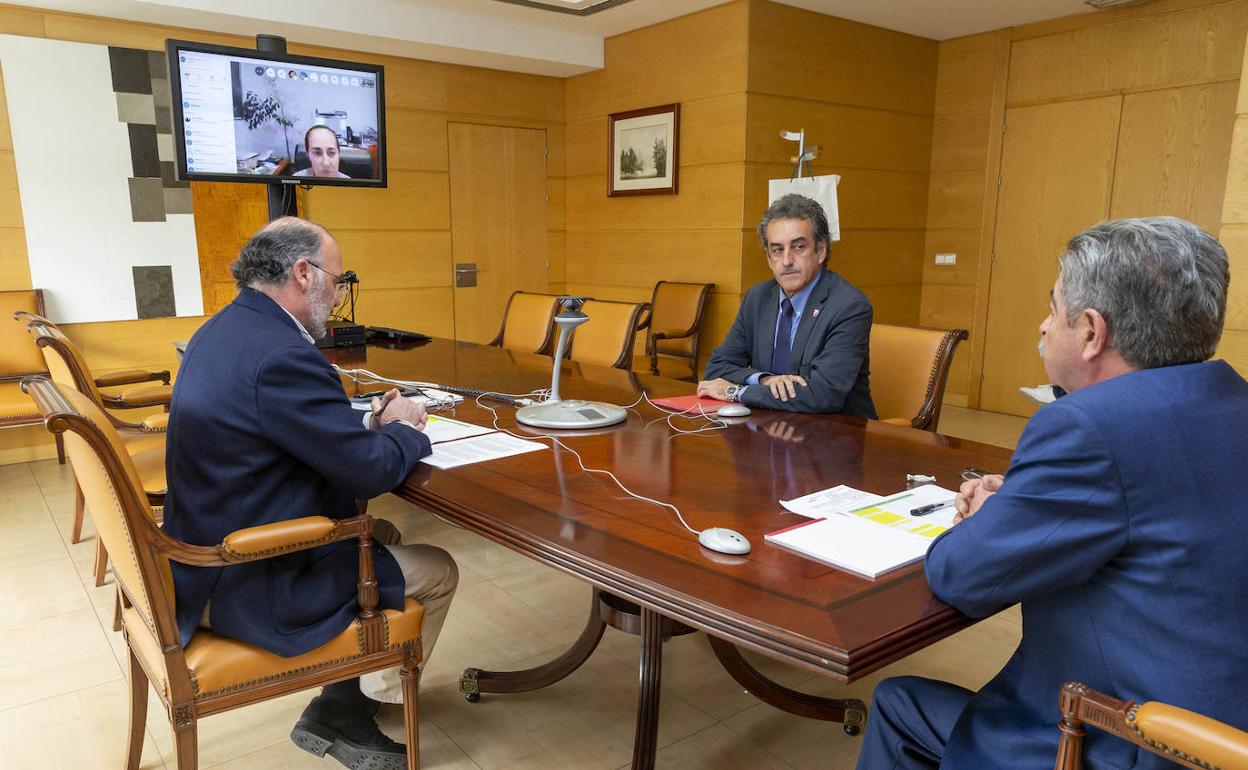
<point x="690" y="404"/>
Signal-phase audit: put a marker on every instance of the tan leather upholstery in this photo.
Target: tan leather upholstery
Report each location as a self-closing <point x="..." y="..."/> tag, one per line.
<point x="1190" y="735"/>
<point x="280" y="534"/>
<point x="674" y="328"/>
<point x="909" y="368"/>
<point x="606" y="339"/>
<point x="218" y="664"/>
<point x="527" y="326"/>
<point x="18" y="354"/>
<point x="15" y="405"/>
<point x="158" y="421"/>
<point x="142" y="395"/>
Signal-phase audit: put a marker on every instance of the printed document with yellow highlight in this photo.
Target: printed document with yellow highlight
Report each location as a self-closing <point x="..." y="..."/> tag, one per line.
<point x="865" y="533"/>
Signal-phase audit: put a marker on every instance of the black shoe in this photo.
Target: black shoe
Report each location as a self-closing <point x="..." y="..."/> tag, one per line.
<point x="349" y="736"/>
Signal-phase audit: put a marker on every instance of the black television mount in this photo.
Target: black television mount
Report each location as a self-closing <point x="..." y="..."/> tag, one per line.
<point x="282" y="200"/>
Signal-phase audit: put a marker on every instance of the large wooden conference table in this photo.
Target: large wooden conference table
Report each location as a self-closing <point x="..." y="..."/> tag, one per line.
<point x="650" y="575"/>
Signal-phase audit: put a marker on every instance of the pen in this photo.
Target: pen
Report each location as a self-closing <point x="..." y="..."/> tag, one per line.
<point x="923" y="510"/>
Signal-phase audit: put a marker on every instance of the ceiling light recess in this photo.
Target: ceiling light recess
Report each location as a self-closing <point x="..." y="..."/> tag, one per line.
<point x="572" y="7"/>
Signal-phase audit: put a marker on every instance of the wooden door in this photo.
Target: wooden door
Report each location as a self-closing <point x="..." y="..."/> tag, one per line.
<point x="1057" y="168"/>
<point x="498" y="221"/>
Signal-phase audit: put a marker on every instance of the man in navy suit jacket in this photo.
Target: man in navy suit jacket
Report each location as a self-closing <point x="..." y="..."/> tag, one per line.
<point x="799" y="342"/>
<point x="260" y="430"/>
<point x="1117" y="526"/>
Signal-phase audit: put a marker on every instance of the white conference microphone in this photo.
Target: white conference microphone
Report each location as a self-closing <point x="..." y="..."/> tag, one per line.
<point x="573" y="413"/>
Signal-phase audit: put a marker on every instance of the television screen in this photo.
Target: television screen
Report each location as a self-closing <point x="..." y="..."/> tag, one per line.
<point x="244" y="115"/>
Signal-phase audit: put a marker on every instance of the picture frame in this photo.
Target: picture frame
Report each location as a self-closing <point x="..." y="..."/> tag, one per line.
<point x="638" y="143"/>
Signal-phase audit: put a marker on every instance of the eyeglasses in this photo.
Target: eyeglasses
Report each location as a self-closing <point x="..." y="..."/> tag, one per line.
<point x="341" y="282"/>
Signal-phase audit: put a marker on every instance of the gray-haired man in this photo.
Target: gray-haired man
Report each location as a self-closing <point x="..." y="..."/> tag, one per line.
<point x="800" y="341"/>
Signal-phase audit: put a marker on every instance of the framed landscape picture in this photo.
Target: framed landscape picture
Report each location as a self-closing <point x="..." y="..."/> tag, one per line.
<point x="643" y="151"/>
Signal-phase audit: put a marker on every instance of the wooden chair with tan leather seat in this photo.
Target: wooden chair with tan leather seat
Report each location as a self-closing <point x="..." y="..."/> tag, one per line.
<point x="607" y="338"/>
<point x="675" y="324"/>
<point x="213" y="673"/>
<point x="528" y="323"/>
<point x="1179" y="735"/>
<point x="19" y="358"/>
<point x="144" y="441"/>
<point x="909" y="369"/>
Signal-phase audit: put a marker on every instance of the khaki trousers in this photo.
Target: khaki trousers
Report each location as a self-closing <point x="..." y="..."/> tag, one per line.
<point x="430" y="577"/>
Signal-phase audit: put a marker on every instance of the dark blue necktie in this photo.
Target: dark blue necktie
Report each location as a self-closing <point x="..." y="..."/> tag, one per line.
<point x="784" y="331"/>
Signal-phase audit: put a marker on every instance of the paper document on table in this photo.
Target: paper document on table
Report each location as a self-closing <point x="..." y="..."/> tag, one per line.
<point x="440" y="429"/>
<point x="834" y="500"/>
<point x="491" y="446"/>
<point x="852" y="544"/>
<point x="894" y="511"/>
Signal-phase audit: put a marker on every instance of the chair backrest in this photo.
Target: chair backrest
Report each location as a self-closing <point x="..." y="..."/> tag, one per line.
<point x="676" y="314"/>
<point x="606" y="339"/>
<point x="18" y="354"/>
<point x="527" y="322"/>
<point x="909" y="369"/>
<point x="114" y="493"/>
<point x="65" y="363"/>
<point x="1181" y="736"/>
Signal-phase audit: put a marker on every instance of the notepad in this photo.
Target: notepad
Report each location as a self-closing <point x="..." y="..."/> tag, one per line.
<point x="852" y="544"/>
<point x="491" y="446"/>
<point x="690" y="404"/>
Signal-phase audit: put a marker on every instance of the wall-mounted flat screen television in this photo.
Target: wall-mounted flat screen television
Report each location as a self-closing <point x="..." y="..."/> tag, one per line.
<point x="241" y="115"/>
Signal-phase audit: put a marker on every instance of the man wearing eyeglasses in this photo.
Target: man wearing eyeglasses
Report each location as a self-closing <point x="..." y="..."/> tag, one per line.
<point x="260" y="431"/>
<point x="799" y="341"/>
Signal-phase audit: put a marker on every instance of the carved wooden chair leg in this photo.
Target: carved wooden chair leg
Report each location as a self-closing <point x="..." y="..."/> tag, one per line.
<point x="138" y="711"/>
<point x="101" y="562"/>
<point x="410" y="675"/>
<point x="1070" y="745"/>
<point x="851" y="712"/>
<point x="185" y="738"/>
<point x="475" y="681"/>
<point x="60" y="450"/>
<point x="80" y="506"/>
<point x="117" y="610"/>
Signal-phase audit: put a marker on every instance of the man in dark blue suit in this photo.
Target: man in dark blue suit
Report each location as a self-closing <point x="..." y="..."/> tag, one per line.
<point x="799" y="342"/>
<point x="260" y="430"/>
<point x="1117" y="526"/>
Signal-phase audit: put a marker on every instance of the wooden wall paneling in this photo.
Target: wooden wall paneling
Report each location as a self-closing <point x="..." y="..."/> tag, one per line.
<point x="848" y="136"/>
<point x="14" y="264"/>
<point x="964" y="80"/>
<point x="846" y="63"/>
<point x="700" y="55"/>
<point x="1042" y="203"/>
<point x="960" y="142"/>
<point x="226" y="216"/>
<point x="1235" y="199"/>
<point x="1173" y="150"/>
<point x="415" y="200"/>
<point x="973" y="353"/>
<point x="556" y="203"/>
<point x="867" y="198"/>
<point x="707" y="201"/>
<point x="397" y="259"/>
<point x="15" y="20"/>
<point x="965" y="244"/>
<point x="1234" y="239"/>
<point x="1195" y="45"/>
<point x="429" y="309"/>
<point x="415" y="140"/>
<point x="895" y="304"/>
<point x="956" y="199"/>
<point x="878" y="257"/>
<point x="633" y="258"/>
<point x="1096" y="18"/>
<point x="146" y="344"/>
<point x="556" y="259"/>
<point x="10" y="197"/>
<point x="1234" y="349"/>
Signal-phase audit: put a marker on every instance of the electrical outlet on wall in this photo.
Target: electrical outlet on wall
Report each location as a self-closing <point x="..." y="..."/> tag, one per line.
<point x="946" y="259"/>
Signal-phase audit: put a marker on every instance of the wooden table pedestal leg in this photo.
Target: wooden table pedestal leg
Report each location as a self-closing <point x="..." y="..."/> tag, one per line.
<point x="851" y="712"/>
<point x="646" y="736"/>
<point x="475" y="681"/>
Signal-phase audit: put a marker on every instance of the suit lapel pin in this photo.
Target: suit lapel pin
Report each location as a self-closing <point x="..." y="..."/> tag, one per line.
<point x="814" y="313"/>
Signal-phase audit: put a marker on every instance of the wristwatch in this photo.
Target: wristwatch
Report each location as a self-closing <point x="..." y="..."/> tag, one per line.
<point x="732" y="392"/>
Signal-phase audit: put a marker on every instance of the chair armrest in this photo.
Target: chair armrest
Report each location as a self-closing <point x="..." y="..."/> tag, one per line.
<point x="267" y="540"/>
<point x="130" y="377"/>
<point x="137" y="398"/>
<point x="643" y="322"/>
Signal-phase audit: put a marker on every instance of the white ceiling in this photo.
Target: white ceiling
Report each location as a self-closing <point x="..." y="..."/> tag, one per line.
<point x="487" y="33"/>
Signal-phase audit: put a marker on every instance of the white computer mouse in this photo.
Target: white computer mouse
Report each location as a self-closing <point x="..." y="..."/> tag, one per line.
<point x="732" y="410"/>
<point x="724" y="540"/>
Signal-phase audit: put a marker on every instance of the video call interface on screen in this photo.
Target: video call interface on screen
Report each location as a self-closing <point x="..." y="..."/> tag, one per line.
<point x="266" y="118"/>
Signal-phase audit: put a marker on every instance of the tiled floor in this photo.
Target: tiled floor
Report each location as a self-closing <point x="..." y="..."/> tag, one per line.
<point x="63" y="693"/>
